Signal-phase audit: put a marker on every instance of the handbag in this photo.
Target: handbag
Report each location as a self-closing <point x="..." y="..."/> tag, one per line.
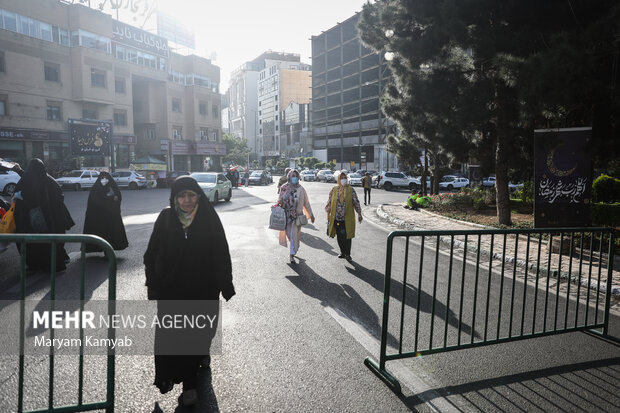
<point x="277" y="220"/>
<point x="7" y="224"/>
<point x="301" y="220"/>
<point x="37" y="220"/>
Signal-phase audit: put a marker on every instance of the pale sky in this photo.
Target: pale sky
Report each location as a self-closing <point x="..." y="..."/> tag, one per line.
<point x="239" y="30"/>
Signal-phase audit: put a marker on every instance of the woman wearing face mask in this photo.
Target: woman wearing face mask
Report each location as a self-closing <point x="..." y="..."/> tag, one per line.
<point x="294" y="200"/>
<point x="342" y="204"/>
<point x="187" y="259"/>
<point x="103" y="214"/>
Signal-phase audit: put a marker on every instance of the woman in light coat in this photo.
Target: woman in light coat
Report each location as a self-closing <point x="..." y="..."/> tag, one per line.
<point x="294" y="200"/>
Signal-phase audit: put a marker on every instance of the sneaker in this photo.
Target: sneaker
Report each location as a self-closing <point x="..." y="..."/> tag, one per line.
<point x="292" y="259"/>
<point x="341" y="256"/>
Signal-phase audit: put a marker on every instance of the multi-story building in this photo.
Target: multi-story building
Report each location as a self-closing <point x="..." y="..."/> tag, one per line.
<point x="245" y="114"/>
<point x="61" y="61"/>
<point x="347" y="82"/>
<point x="279" y="85"/>
<point x="296" y="130"/>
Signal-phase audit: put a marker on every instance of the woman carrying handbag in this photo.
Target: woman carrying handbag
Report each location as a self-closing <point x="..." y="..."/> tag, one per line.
<point x="294" y="200"/>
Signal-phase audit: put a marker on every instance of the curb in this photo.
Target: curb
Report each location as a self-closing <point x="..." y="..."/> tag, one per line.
<point x="562" y="275"/>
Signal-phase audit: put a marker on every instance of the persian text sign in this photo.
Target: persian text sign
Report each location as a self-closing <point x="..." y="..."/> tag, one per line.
<point x="90" y="138"/>
<point x="140" y="39"/>
<point x="562" y="177"/>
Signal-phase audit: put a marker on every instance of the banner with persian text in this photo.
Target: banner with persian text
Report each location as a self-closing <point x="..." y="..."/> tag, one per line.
<point x="90" y="138"/>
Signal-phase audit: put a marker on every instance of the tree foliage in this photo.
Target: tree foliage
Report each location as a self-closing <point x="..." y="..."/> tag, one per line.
<point x="237" y="150"/>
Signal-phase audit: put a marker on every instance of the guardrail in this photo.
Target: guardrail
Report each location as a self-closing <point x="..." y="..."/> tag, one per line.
<point x="23" y="240"/>
<point x="484" y="287"/>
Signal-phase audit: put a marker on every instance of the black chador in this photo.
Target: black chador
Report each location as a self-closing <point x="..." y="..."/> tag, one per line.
<point x="103" y="214"/>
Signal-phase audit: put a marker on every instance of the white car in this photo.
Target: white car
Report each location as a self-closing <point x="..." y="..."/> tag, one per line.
<point x="355" y="179"/>
<point x="8" y="181"/>
<point x="129" y="179"/>
<point x="78" y="179"/>
<point x="389" y="180"/>
<point x="307" y="176"/>
<point x="488" y="182"/>
<point x="215" y="185"/>
<point x="452" y="182"/>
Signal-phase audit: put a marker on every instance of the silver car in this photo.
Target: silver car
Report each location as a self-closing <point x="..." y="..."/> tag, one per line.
<point x="215" y="185"/>
<point x="129" y="179"/>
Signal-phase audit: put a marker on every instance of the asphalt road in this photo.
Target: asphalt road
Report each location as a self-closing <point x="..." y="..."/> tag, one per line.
<point x="295" y="336"/>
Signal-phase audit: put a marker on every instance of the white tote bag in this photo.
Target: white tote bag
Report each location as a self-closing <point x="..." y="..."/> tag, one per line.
<point x="277" y="220"/>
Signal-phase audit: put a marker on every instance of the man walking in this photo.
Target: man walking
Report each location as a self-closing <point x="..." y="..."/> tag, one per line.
<point x="367" y="184"/>
<point x="283" y="179"/>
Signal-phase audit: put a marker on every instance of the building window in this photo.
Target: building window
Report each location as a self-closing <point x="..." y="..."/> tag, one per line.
<point x="4" y="107"/>
<point x="202" y="108"/>
<point x="259" y="103"/>
<point x="176" y="105"/>
<point x="2" y="67"/>
<point x="119" y="85"/>
<point x="120" y="117"/>
<point x="260" y="121"/>
<point x="89" y="113"/>
<point x="203" y="134"/>
<point x="54" y="110"/>
<point x="260" y="112"/>
<point x="150" y="134"/>
<point x="97" y="77"/>
<point x="276" y="107"/>
<point x="52" y="72"/>
<point x="276" y="127"/>
<point x="177" y="132"/>
<point x="276" y="96"/>
<point x="215" y="112"/>
<point x="276" y="117"/>
<point x="260" y="130"/>
<point x="214" y="136"/>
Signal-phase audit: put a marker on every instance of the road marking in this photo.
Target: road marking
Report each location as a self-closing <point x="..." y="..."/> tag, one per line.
<point x="416" y="380"/>
<point x="140" y="219"/>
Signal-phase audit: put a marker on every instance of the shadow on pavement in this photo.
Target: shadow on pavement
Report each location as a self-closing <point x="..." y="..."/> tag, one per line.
<point x="316" y="242"/>
<point x="207" y="401"/>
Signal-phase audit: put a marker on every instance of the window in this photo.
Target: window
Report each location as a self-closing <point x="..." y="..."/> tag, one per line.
<point x="259" y="103"/>
<point x="215" y="111"/>
<point x="119" y="85"/>
<point x="150" y="134"/>
<point x="276" y="127"/>
<point x="214" y="136"/>
<point x="276" y="117"/>
<point x="176" y="105"/>
<point x="203" y="134"/>
<point x="54" y="110"/>
<point x="4" y="107"/>
<point x="97" y="77"/>
<point x="120" y="117"/>
<point x="202" y="108"/>
<point x="177" y="132"/>
<point x="89" y="113"/>
<point x="2" y="67"/>
<point x="276" y="96"/>
<point x="52" y="72"/>
<point x="276" y="107"/>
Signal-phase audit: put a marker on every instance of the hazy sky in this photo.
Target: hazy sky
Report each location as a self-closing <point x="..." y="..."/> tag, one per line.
<point x="240" y="30"/>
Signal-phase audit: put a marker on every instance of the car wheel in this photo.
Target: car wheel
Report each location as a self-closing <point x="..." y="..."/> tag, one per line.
<point x="450" y="187"/>
<point x="387" y="186"/>
<point x="133" y="185"/>
<point x="77" y="187"/>
<point x="412" y="186"/>
<point x="216" y="198"/>
<point x="227" y="199"/>
<point x="9" y="189"/>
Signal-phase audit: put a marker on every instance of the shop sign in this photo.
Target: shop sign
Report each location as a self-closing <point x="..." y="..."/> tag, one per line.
<point x="90" y="138"/>
<point x="140" y="39"/>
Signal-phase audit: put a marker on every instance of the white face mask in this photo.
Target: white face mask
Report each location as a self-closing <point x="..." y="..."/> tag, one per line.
<point x="343" y="181"/>
<point x="104" y="182"/>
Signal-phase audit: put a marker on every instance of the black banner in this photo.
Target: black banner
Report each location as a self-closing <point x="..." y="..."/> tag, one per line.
<point x="562" y="177"/>
<point x="90" y="139"/>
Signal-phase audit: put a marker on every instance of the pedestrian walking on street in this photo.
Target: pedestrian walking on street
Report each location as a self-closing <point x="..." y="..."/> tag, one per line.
<point x="342" y="204"/>
<point x="40" y="209"/>
<point x="103" y="214"/>
<point x="294" y="200"/>
<point x="283" y="178"/>
<point x="367" y="184"/>
<point x="236" y="178"/>
<point x="246" y="177"/>
<point x="187" y="259"/>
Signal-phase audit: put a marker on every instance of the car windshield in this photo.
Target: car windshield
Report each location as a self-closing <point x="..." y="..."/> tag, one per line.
<point x="256" y="173"/>
<point x="74" y="174"/>
<point x="329" y="173"/>
<point x="355" y="176"/>
<point x="448" y="179"/>
<point x="204" y="178"/>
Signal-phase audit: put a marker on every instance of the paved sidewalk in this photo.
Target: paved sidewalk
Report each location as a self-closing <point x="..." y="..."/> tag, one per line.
<point x="516" y="250"/>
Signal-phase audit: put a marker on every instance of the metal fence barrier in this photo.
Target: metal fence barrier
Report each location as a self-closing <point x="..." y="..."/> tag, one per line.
<point x="483" y="287"/>
<point x="23" y="240"/>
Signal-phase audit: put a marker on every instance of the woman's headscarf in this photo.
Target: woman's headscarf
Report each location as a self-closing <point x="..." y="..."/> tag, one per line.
<point x="341" y="188"/>
<point x="187" y="183"/>
<point x="100" y="189"/>
<point x="291" y="173"/>
<point x="33" y="183"/>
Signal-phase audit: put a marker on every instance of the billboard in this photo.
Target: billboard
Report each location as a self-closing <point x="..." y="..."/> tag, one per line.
<point x="140" y="39"/>
<point x="175" y="31"/>
<point x="562" y="177"/>
<point x="90" y="138"/>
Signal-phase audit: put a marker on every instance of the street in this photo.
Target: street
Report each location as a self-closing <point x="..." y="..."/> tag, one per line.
<point x="295" y="336"/>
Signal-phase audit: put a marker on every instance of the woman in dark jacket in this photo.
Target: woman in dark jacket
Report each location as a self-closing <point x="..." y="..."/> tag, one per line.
<point x="187" y="259"/>
<point x="103" y="214"/>
<point x="40" y="208"/>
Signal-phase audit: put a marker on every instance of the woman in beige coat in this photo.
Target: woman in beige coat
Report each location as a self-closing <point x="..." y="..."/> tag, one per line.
<point x="294" y="200"/>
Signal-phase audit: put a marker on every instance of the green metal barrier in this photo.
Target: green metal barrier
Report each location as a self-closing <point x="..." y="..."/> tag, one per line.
<point x="23" y="240"/>
<point x="476" y="285"/>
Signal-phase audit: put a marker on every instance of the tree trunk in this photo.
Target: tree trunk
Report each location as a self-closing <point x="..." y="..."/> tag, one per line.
<point x="424" y="173"/>
<point x="501" y="169"/>
<point x="435" y="180"/>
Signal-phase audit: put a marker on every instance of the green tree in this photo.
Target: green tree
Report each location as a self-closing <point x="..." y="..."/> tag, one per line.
<point x="237" y="150"/>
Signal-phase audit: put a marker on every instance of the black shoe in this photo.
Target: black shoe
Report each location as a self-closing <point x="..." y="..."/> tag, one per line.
<point x="364" y="203"/>
<point x="348" y="258"/>
<point x="341" y="256"/>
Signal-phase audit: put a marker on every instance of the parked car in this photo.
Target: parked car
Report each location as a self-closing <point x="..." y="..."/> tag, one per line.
<point x="308" y="176"/>
<point x="269" y="176"/>
<point x="375" y="179"/>
<point x="452" y="182"/>
<point x="174" y="175"/>
<point x="129" y="179"/>
<point x="355" y="179"/>
<point x="215" y="185"/>
<point x="259" y="178"/>
<point x="325" y="175"/>
<point x="418" y="182"/>
<point x="389" y="180"/>
<point x="513" y="187"/>
<point x="489" y="181"/>
<point x="78" y="179"/>
<point x="8" y="181"/>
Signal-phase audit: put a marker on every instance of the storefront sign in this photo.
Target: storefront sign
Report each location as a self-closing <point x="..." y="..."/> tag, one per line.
<point x="562" y="177"/>
<point x="197" y="148"/>
<point x="140" y="39"/>
<point x="90" y="138"/>
<point x="31" y="134"/>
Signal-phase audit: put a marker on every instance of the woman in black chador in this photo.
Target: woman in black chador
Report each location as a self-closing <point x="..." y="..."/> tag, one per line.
<point x="40" y="209"/>
<point x="103" y="214"/>
<point x="187" y="259"/>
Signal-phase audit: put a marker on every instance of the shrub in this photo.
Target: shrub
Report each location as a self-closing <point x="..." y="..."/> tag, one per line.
<point x="526" y="193"/>
<point x="605" y="214"/>
<point x="479" y="204"/>
<point x="606" y="189"/>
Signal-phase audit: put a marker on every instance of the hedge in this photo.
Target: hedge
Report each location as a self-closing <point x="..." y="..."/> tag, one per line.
<point x="606" y="189"/>
<point x="605" y="214"/>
